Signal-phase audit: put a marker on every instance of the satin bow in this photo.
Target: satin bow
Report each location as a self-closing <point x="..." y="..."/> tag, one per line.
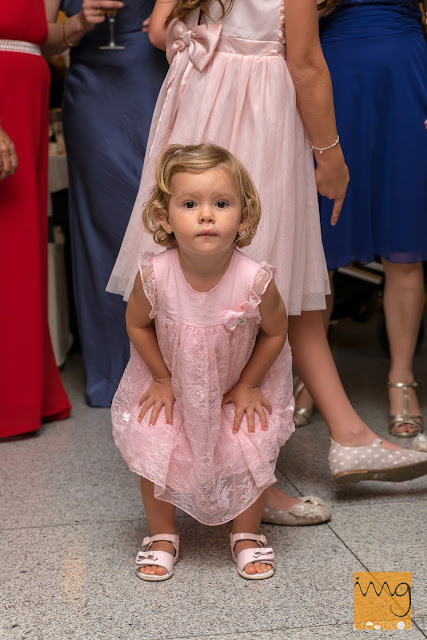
<point x="258" y="553"/>
<point x="146" y="555"/>
<point x="233" y="318"/>
<point x="201" y="41"/>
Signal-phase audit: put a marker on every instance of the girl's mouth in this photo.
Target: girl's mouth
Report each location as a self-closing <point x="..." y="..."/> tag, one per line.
<point x="207" y="232"/>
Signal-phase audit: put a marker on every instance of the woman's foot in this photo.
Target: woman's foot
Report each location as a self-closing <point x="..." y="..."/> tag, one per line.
<point x="359" y="434"/>
<point x="405" y="418"/>
<point x="375" y="462"/>
<point x="281" y="509"/>
<point x="303" y="404"/>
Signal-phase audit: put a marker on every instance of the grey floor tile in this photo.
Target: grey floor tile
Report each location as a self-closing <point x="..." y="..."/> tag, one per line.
<point x="389" y="538"/>
<point x="78" y="581"/>
<point x="327" y="632"/>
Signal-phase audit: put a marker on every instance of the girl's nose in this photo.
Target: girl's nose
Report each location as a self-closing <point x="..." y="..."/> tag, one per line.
<point x="207" y="214"/>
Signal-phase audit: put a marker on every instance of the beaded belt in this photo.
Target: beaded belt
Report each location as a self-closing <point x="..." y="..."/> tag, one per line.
<point x="20" y="47"/>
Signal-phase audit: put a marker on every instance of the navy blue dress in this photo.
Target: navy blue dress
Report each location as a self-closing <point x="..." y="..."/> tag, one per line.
<point x="108" y="103"/>
<point x="377" y="56"/>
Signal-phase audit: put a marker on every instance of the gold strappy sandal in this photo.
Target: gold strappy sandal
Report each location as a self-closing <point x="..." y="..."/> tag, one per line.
<point x="302" y="415"/>
<point x="398" y="419"/>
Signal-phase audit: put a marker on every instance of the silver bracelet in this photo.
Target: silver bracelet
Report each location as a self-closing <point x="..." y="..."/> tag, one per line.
<point x="322" y="149"/>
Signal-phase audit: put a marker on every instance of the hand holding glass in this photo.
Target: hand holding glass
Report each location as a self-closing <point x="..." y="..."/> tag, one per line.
<point x="111" y="16"/>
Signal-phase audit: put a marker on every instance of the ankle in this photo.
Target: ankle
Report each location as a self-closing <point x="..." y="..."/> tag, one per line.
<point x="401" y="375"/>
<point x="163" y="545"/>
<point x="356" y="435"/>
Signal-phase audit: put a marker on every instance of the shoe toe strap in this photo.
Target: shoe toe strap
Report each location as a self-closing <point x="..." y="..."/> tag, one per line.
<point x="262" y="554"/>
<point x="155" y="559"/>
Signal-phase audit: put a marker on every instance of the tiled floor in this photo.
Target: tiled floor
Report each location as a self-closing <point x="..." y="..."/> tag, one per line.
<point x="71" y="523"/>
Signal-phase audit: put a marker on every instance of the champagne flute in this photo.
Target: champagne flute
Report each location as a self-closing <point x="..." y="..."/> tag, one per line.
<point x="111" y="15"/>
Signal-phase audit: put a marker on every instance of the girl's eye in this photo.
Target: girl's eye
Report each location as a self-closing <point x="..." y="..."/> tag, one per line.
<point x="189" y="205"/>
<point x="221" y="204"/>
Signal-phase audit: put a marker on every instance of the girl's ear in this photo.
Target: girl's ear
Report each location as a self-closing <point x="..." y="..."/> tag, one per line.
<point x="164" y="221"/>
<point x="243" y="221"/>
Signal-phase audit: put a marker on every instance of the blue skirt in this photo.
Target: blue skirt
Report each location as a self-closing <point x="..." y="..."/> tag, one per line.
<point x="377" y="59"/>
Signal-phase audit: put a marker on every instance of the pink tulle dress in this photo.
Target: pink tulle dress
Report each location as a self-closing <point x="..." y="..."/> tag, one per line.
<point x="206" y="339"/>
<point x="228" y="83"/>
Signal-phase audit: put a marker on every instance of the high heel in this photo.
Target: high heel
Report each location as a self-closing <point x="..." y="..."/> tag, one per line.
<point x="374" y="462"/>
<point x="302" y="415"/>
<point x="397" y="420"/>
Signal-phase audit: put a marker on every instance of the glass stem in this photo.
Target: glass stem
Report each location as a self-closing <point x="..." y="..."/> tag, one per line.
<point x="111" y="21"/>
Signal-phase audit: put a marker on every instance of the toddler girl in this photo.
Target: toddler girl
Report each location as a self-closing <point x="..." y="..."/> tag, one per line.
<point x="205" y="402"/>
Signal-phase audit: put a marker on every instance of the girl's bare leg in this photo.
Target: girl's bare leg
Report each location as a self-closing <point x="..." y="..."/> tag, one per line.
<point x="403" y="308"/>
<point x="248" y="522"/>
<point x="161" y="519"/>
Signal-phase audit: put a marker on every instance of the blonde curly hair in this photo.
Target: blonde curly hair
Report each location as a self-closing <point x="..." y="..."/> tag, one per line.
<point x="198" y="158"/>
<point x="182" y="8"/>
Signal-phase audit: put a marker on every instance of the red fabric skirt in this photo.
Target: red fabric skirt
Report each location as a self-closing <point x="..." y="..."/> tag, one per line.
<point x="31" y="390"/>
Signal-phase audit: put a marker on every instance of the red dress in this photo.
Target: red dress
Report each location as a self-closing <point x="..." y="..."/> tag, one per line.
<point x="31" y="390"/>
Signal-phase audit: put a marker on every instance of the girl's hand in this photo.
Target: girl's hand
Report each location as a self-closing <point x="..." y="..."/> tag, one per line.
<point x="93" y="12"/>
<point x="8" y="157"/>
<point x="332" y="178"/>
<point x="146" y="24"/>
<point x="248" y="400"/>
<point x="159" y="395"/>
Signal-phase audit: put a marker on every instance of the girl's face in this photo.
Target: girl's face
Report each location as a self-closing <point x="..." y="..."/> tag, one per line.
<point x="205" y="212"/>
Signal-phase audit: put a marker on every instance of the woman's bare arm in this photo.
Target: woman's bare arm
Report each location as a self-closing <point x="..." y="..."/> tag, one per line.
<point x="313" y="86"/>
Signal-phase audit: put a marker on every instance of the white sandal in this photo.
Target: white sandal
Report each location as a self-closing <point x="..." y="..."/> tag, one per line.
<point x="163" y="559"/>
<point x="262" y="554"/>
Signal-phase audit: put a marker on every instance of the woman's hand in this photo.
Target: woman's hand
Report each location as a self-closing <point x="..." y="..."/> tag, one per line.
<point x="93" y="12"/>
<point x="146" y="24"/>
<point x="159" y="395"/>
<point x="8" y="157"/>
<point x="332" y="178"/>
<point x="248" y="400"/>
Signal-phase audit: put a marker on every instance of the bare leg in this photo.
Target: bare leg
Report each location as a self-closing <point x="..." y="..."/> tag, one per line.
<point x="313" y="360"/>
<point x="304" y="398"/>
<point x="161" y="519"/>
<point x="248" y="522"/>
<point x="403" y="307"/>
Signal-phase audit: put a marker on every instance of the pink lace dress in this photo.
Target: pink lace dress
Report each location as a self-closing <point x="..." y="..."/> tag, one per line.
<point x="229" y="84"/>
<point x="206" y="339"/>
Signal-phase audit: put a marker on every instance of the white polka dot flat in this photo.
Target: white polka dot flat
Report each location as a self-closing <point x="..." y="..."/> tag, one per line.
<point x="374" y="462"/>
<point x="308" y="510"/>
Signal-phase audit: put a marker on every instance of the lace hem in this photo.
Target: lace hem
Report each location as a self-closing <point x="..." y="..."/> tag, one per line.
<point x="148" y="279"/>
<point x="250" y="308"/>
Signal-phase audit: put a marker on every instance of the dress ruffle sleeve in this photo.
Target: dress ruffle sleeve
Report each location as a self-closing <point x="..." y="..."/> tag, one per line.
<point x="250" y="308"/>
<point x="148" y="279"/>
